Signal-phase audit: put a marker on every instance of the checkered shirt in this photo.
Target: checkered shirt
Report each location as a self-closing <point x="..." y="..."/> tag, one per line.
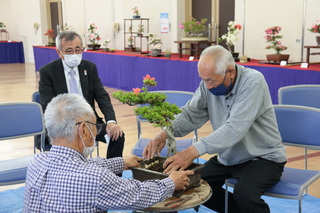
<point x="62" y="180"/>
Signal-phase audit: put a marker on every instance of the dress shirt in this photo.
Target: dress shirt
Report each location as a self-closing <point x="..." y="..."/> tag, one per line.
<point x="62" y="180"/>
<point x="76" y="76"/>
<point x="243" y="121"/>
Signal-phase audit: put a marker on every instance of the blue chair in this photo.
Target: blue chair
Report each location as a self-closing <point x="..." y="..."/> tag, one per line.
<point x="21" y="119"/>
<point x="302" y="95"/>
<point x="298" y="126"/>
<point x="180" y="98"/>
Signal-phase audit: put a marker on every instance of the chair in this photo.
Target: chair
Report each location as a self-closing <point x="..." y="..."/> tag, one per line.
<point x="303" y="95"/>
<point x="298" y="126"/>
<point x="36" y="98"/>
<point x="180" y="98"/>
<point x="20" y="119"/>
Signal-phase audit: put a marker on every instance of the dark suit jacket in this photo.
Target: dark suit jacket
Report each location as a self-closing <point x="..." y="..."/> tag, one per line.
<point x="53" y="82"/>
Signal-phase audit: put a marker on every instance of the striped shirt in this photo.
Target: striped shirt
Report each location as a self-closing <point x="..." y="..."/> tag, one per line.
<point x="243" y="121"/>
<point x="62" y="180"/>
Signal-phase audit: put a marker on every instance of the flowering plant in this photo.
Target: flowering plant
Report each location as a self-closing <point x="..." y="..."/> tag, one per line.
<point x="50" y="34"/>
<point x="94" y="37"/>
<point x="155" y="109"/>
<point x="130" y="40"/>
<point x="136" y="11"/>
<point x="155" y="41"/>
<point x="315" y="27"/>
<point x="67" y="27"/>
<point x="106" y="42"/>
<point x="231" y="37"/>
<point x="273" y="37"/>
<point x="194" y="27"/>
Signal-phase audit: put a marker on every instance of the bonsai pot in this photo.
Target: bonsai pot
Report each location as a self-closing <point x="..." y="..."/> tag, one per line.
<point x="277" y="57"/>
<point x="155" y="171"/>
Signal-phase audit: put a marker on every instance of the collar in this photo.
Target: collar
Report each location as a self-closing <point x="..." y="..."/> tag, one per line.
<point x="236" y="83"/>
<point x="67" y="68"/>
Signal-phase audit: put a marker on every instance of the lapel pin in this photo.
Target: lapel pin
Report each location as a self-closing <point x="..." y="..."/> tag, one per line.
<point x="85" y="72"/>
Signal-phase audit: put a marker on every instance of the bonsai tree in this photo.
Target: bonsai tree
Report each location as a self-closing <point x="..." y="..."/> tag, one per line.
<point x="2" y="25"/>
<point x="156" y="110"/>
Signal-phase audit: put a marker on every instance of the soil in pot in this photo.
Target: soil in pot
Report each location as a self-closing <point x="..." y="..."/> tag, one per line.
<point x="150" y="170"/>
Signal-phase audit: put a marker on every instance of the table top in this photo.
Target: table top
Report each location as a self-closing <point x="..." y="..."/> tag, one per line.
<point x="195" y="42"/>
<point x="199" y="196"/>
<point x="311" y="46"/>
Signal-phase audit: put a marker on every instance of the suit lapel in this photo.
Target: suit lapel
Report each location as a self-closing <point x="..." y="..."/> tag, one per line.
<point x="83" y="74"/>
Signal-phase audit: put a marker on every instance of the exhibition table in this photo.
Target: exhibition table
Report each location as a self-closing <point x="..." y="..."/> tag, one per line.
<point x="125" y="71"/>
<point x="11" y="52"/>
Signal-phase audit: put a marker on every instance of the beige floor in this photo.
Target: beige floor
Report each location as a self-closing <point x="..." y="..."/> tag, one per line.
<point x="19" y="81"/>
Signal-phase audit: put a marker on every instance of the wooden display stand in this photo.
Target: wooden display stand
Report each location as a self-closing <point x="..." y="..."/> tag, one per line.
<point x="308" y="52"/>
<point x="142" y="38"/>
<point x="4" y="33"/>
<point x="194" y="48"/>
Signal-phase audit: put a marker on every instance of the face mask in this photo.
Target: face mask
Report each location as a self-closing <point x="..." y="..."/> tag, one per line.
<point x="221" y="89"/>
<point x="72" y="60"/>
<point x="88" y="150"/>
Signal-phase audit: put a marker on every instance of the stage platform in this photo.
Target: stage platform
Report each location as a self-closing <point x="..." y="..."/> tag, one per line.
<point x="125" y="70"/>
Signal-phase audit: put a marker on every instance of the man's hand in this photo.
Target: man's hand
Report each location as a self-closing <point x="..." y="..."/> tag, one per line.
<point x="181" y="179"/>
<point x="114" y="131"/>
<point x="155" y="145"/>
<point x="131" y="161"/>
<point x="181" y="160"/>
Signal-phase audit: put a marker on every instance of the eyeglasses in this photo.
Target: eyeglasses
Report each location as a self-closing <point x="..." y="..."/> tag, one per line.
<point x="98" y="126"/>
<point x="71" y="52"/>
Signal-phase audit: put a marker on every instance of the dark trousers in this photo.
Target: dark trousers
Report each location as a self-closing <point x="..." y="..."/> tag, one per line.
<point x="255" y="177"/>
<point x="115" y="147"/>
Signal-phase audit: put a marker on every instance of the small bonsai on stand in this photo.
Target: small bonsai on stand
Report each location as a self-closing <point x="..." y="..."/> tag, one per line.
<point x="156" y="43"/>
<point x="158" y="112"/>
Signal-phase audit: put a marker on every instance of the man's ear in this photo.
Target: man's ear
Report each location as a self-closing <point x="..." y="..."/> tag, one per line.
<point x="59" y="53"/>
<point x="232" y="72"/>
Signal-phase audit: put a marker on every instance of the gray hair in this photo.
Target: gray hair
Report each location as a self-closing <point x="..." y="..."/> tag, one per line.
<point x="63" y="112"/>
<point x="67" y="36"/>
<point x="221" y="58"/>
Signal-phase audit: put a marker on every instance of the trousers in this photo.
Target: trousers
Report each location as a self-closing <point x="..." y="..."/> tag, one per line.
<point x="255" y="176"/>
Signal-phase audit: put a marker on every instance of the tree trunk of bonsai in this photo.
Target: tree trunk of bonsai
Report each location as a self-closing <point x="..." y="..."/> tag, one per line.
<point x="171" y="145"/>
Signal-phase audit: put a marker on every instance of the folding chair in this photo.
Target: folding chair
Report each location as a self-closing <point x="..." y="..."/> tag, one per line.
<point x="298" y="126"/>
<point x="20" y="119"/>
<point x="302" y="95"/>
<point x="36" y="98"/>
<point x="180" y="98"/>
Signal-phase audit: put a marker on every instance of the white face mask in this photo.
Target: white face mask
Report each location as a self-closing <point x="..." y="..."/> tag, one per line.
<point x="88" y="150"/>
<point x="72" y="60"/>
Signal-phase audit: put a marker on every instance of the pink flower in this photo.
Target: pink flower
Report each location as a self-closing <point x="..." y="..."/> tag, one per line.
<point x="181" y="26"/>
<point x="136" y="90"/>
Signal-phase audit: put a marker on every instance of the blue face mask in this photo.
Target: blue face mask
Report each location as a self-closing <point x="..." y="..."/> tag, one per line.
<point x="221" y="89"/>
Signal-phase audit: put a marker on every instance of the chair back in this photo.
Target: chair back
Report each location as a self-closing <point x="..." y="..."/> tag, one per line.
<point x="304" y="95"/>
<point x="36" y="97"/>
<point x="299" y="125"/>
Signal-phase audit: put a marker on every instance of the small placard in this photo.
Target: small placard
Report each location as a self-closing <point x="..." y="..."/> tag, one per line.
<point x="283" y="63"/>
<point x="191" y="58"/>
<point x="304" y="65"/>
<point x="9" y="40"/>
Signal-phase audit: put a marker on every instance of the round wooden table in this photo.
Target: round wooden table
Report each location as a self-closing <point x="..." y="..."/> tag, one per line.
<point x="199" y="196"/>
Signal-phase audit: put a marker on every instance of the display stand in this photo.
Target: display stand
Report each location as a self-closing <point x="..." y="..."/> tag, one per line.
<point x="132" y="31"/>
<point x="4" y="33"/>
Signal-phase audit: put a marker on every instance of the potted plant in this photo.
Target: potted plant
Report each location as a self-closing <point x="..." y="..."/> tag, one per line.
<point x="196" y="30"/>
<point x="105" y="44"/>
<point x="136" y="13"/>
<point x="157" y="111"/>
<point x="130" y="40"/>
<point x="156" y="43"/>
<point x="67" y="27"/>
<point x="273" y="37"/>
<point x="2" y="26"/>
<point x="231" y="37"/>
<point x="50" y="35"/>
<point x="93" y="36"/>
<point x="316" y="29"/>
<point x="140" y="30"/>
<point x="167" y="53"/>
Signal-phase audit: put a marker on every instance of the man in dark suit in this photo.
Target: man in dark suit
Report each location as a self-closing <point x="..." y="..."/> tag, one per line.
<point x="71" y="74"/>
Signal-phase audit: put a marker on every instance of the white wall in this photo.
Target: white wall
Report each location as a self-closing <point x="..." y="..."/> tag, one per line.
<point x="20" y="15"/>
